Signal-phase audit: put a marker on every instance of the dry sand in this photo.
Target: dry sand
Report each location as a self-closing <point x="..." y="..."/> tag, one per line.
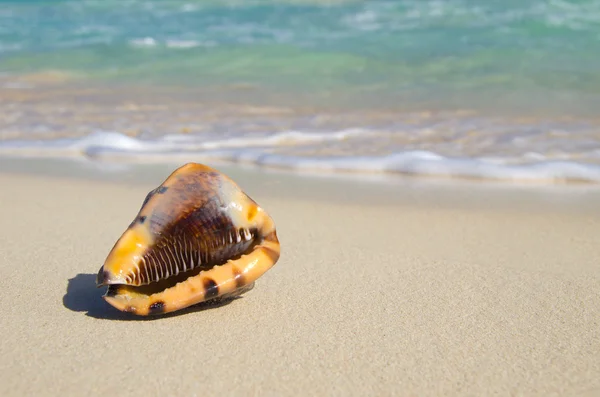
<point x="365" y="300"/>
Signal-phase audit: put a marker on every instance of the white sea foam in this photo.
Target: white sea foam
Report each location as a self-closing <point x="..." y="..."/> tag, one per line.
<point x="144" y="42"/>
<point x="182" y="43"/>
<point x="266" y="151"/>
<point x="150" y="42"/>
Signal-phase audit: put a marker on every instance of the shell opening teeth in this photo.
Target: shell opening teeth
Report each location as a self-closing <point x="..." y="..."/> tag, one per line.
<point x="175" y="256"/>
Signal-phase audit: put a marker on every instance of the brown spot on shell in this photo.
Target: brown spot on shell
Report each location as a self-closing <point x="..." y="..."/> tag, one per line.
<point x="272" y="237"/>
<point x="157" y="308"/>
<point x="239" y="278"/>
<point x="211" y="289"/>
<point x="102" y="276"/>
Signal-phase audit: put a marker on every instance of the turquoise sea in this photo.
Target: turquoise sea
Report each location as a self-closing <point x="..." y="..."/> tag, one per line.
<point x="507" y="90"/>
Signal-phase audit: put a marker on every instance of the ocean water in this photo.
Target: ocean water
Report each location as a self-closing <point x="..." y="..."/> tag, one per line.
<point x="504" y="90"/>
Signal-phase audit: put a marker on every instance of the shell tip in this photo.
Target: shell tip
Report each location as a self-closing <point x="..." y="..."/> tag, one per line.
<point x="102" y="277"/>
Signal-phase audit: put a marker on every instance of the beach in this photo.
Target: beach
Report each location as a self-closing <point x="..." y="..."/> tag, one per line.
<point x="416" y="294"/>
<point x="432" y="169"/>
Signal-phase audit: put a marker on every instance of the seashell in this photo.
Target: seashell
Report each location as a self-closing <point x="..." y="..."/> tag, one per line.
<point x="197" y="237"/>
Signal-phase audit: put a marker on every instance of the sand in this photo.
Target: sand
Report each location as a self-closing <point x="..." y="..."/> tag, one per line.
<point x="386" y="299"/>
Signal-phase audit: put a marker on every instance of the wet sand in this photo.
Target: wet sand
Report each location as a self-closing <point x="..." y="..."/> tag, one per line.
<point x="425" y="296"/>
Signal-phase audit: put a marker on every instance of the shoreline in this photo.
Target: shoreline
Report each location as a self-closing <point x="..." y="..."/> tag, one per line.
<point x="143" y="125"/>
<point x="389" y="190"/>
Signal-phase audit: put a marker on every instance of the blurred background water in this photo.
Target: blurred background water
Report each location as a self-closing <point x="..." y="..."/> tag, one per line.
<point x="493" y="89"/>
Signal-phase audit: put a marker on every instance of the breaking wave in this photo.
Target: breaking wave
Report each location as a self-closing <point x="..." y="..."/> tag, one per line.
<point x="288" y="150"/>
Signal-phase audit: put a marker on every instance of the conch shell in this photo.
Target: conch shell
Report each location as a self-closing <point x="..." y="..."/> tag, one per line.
<point x="197" y="237"/>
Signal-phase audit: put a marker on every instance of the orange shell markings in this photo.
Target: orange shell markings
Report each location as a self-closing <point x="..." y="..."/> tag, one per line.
<point x="198" y="237"/>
